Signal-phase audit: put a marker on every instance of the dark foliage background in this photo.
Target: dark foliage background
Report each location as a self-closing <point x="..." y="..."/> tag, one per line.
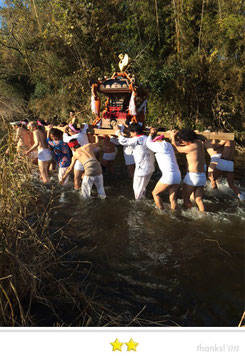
<point x="190" y="53"/>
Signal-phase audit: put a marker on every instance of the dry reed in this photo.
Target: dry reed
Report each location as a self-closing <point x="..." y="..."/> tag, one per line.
<point x="39" y="284"/>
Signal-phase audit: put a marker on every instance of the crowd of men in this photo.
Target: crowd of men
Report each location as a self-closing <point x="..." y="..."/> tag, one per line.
<point x="76" y="149"/>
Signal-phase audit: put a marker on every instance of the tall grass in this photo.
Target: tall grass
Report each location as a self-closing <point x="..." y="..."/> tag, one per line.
<point x="40" y="284"/>
<point x="29" y="258"/>
<point x="25" y="248"/>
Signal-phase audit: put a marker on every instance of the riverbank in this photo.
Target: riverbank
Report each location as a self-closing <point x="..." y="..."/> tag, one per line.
<point x="65" y="261"/>
<point x="36" y="275"/>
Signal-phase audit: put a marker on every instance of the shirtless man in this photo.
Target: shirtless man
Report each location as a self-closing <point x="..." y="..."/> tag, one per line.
<point x="23" y="138"/>
<point x="195" y="178"/>
<point x="44" y="154"/>
<point x="109" y="153"/>
<point x="92" y="168"/>
<point x="71" y="131"/>
<point x="92" y="139"/>
<point x="226" y="165"/>
<point x="167" y="163"/>
<point x="215" y="154"/>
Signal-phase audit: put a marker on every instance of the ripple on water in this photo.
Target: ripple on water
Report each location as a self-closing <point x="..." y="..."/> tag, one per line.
<point x="162" y="259"/>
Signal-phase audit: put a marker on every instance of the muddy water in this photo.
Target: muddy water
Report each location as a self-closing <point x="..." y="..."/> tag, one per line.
<point x="182" y="268"/>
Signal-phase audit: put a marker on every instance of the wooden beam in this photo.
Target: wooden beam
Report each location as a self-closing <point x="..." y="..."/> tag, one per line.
<point x="201" y="135"/>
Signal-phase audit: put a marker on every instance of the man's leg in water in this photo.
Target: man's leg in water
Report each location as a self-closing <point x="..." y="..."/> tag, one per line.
<point x="217" y="174"/>
<point x="111" y="166"/>
<point x="230" y="181"/>
<point x="43" y="168"/>
<point x="199" y="197"/>
<point x="159" y="188"/>
<point x="99" y="183"/>
<point x="87" y="186"/>
<point x="61" y="172"/>
<point x="211" y="169"/>
<point x="173" y="195"/>
<point x="77" y="179"/>
<point x="186" y="193"/>
<point x="131" y="168"/>
<point x="139" y="185"/>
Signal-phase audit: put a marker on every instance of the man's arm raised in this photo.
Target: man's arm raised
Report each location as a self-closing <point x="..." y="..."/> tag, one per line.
<point x="180" y="148"/>
<point x="62" y="129"/>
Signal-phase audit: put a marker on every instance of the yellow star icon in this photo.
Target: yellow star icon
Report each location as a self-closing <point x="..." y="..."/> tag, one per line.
<point x="117" y="346"/>
<point x="131" y="345"/>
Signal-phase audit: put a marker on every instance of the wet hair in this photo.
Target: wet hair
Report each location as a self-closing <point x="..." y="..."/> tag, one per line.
<point x="75" y="140"/>
<point x="187" y="135"/>
<point x="56" y="133"/>
<point x="134" y="127"/>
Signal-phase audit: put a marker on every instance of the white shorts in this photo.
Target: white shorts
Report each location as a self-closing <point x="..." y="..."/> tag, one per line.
<point x="215" y="158"/>
<point x="195" y="179"/>
<point x="44" y="155"/>
<point x="88" y="183"/>
<point x="225" y="165"/>
<point x="61" y="172"/>
<point x="79" y="166"/>
<point x="129" y="159"/>
<point x="170" y="178"/>
<point x="110" y="156"/>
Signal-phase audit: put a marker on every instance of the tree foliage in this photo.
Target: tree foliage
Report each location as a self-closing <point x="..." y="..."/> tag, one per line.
<point x="189" y="52"/>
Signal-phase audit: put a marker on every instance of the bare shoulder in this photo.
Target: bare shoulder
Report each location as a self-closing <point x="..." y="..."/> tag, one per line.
<point x="77" y="153"/>
<point x="36" y="133"/>
<point x="88" y="145"/>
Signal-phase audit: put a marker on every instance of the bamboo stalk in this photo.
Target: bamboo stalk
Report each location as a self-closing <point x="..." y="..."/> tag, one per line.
<point x="157" y="22"/>
<point x="36" y="14"/>
<point x="176" y="26"/>
<point x="200" y="32"/>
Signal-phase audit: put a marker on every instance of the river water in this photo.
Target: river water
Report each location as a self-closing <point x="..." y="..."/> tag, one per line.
<point x="183" y="268"/>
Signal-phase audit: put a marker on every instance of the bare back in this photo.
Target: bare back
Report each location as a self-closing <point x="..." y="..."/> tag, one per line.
<point x="40" y="138"/>
<point x="196" y="157"/>
<point x="108" y="147"/>
<point x="85" y="152"/>
<point x="24" y="138"/>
